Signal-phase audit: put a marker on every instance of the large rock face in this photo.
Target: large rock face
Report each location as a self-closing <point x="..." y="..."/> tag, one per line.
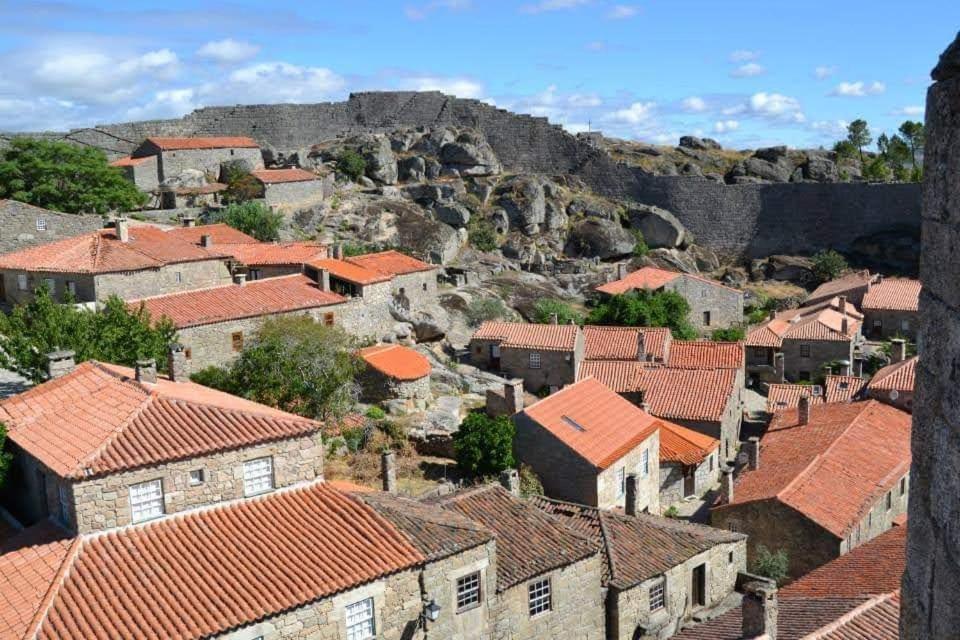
<point x="598" y="238"/>
<point x="470" y="155"/>
<point x="659" y="227"/>
<point x="523" y="199"/>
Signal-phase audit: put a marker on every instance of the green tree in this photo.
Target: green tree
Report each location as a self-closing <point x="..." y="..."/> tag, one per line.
<point x="646" y="309"/>
<point x="113" y="334"/>
<point x="914" y="135"/>
<point x="877" y="170"/>
<point x="5" y="456"/>
<point x="484" y="445"/>
<point x="253" y="218"/>
<point x="730" y="334"/>
<point x="544" y="309"/>
<point x="828" y="264"/>
<point x="351" y="164"/>
<point x="65" y="177"/>
<point x="241" y="186"/>
<point x="297" y="365"/>
<point x="771" y="564"/>
<point x="481" y="234"/>
<point x="845" y="150"/>
<point x="858" y="134"/>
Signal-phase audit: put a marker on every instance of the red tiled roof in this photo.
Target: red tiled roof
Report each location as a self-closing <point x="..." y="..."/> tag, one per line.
<point x="878" y="619"/>
<point x="594" y="421"/>
<point x="622" y="343"/>
<point x="521" y="335"/>
<point x="704" y="354"/>
<point x="768" y="334"/>
<point x="895" y="294"/>
<point x="103" y="252"/>
<point x="782" y="396"/>
<point x="219" y="232"/>
<point x="396" y="361"/>
<point x="826" y="325"/>
<point x="643" y="278"/>
<point x="350" y="272"/>
<point x="686" y="394"/>
<point x="822" y="321"/>
<point x="221" y="142"/>
<point x="274" y="176"/>
<point x="129" y="162"/>
<point x="275" y="253"/>
<point x="618" y="375"/>
<point x="98" y="419"/>
<point x="684" y="446"/>
<point x="232" y="302"/>
<point x="900" y="376"/>
<point x="841" y="286"/>
<point x="391" y="262"/>
<point x="843" y="388"/>
<point x="835" y="467"/>
<point x="211" y="571"/>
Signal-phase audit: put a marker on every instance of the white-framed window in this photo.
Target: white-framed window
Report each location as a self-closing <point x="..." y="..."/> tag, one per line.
<point x="41" y="224"/>
<point x="645" y="462"/>
<point x="360" y="622"/>
<point x="468" y="591"/>
<point x="22" y="281"/>
<point x="877" y="323"/>
<point x="733" y="525"/>
<point x="178" y="276"/>
<point x="534" y="360"/>
<point x="255" y="274"/>
<point x="804" y="351"/>
<point x="621" y="482"/>
<point x="63" y="496"/>
<point x="196" y="477"/>
<point x="904" y="325"/>
<point x="658" y="596"/>
<point x="539" y="599"/>
<point x="146" y="500"/>
<point x="257" y="476"/>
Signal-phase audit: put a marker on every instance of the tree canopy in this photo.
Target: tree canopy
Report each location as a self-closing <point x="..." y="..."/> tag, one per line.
<point x="113" y="334"/>
<point x="858" y="134"/>
<point x="646" y="309"/>
<point x="5" y="456"/>
<point x="294" y="364"/>
<point x="484" y="445"/>
<point x="252" y="218"/>
<point x="828" y="264"/>
<point x="65" y="177"/>
<point x="545" y="308"/>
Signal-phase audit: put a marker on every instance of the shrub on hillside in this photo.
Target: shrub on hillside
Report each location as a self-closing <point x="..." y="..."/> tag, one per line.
<point x="828" y="264"/>
<point x="545" y="308"/>
<point x="484" y="445"/>
<point x="252" y="218"/>
<point x="646" y="309"/>
<point x="351" y="164"/>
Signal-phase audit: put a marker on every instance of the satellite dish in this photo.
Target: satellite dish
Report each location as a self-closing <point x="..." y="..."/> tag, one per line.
<point x="894" y="394"/>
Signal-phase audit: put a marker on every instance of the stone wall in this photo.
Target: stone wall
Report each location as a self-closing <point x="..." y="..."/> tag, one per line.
<point x="797" y="367"/>
<point x="564" y="475"/>
<point x="557" y="368"/>
<point x="705" y="477"/>
<point x="879" y="518"/>
<point x="58" y="283"/>
<point x="289" y="195"/>
<point x="23" y="225"/>
<point x="418" y="289"/>
<point x="171" y="278"/>
<point x="439" y="580"/>
<point x="892" y="324"/>
<point x="173" y="163"/>
<point x="723" y="304"/>
<point x="145" y="175"/>
<point x="377" y="387"/>
<point x="610" y="494"/>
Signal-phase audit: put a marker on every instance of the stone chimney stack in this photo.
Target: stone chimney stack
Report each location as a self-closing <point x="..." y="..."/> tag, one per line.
<point x="177" y="364"/>
<point x="123" y="229"/>
<point x="844" y="325"/>
<point x="898" y="350"/>
<point x="240" y="279"/>
<point x="323" y="279"/>
<point x="388" y="471"/>
<point x="843" y="305"/>
<point x="188" y="221"/>
<point x="641" y="347"/>
<point x="554" y="319"/>
<point x="206" y="241"/>
<point x="803" y="410"/>
<point x="510" y="479"/>
<point x="513" y="394"/>
<point x="632" y="505"/>
<point x="778" y="366"/>
<point x="858" y="366"/>
<point x="760" y="610"/>
<point x="337" y="251"/>
<point x="60" y="363"/>
<point x="145" y="371"/>
<point x="752" y="447"/>
<point x="726" y="485"/>
<point x="621" y="270"/>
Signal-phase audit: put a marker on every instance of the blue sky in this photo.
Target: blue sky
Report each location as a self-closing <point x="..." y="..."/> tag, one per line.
<point x="746" y="73"/>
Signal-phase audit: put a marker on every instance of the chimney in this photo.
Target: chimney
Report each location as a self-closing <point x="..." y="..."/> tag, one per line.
<point x="898" y="350"/>
<point x="146" y="371"/>
<point x="177" y="365"/>
<point x="510" y="479"/>
<point x="759" y="610"/>
<point x="513" y="394"/>
<point x="844" y="326"/>
<point x="323" y="279"/>
<point x="858" y="366"/>
<point x="554" y="319"/>
<point x="621" y="270"/>
<point x="188" y="221"/>
<point x="778" y="366"/>
<point x="632" y="506"/>
<point x="240" y="279"/>
<point x="726" y="485"/>
<point x="803" y="410"/>
<point x="123" y="229"/>
<point x="752" y="447"/>
<point x="206" y="241"/>
<point x="842" y="305"/>
<point x="844" y="367"/>
<point x="338" y="251"/>
<point x="388" y="471"/>
<point x="641" y="347"/>
<point x="60" y="363"/>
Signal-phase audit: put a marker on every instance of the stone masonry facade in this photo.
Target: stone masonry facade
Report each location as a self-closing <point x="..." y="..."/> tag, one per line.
<point x="799" y="366"/>
<point x="705" y="477"/>
<point x="890" y="323"/>
<point x="711" y="305"/>
<point x="23" y="225"/>
<point x="612" y="494"/>
<point x="304" y="193"/>
<point x="172" y="163"/>
<point x="439" y="580"/>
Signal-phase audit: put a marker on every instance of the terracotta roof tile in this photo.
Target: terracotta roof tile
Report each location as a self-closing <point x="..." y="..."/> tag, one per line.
<point x="129" y="162"/>
<point x="844" y="388"/>
<point x="103" y="252"/>
<point x="822" y="321"/>
<point x="391" y="262"/>
<point x="844" y="285"/>
<point x="684" y="446"/>
<point x="210" y="571"/>
<point x="350" y="272"/>
<point x="705" y="354"/>
<point x="900" y="376"/>
<point x="782" y="396"/>
<point x="622" y="343"/>
<point x="219" y="232"/>
<point x="396" y="361"/>
<point x="232" y="302"/>
<point x="276" y="176"/>
<point x="211" y="142"/>
<point x="521" y="335"/>
<point x="274" y="254"/>
<point x="833" y="468"/>
<point x="768" y="334"/>
<point x="687" y="394"/>
<point x="529" y="542"/>
<point x="594" y="421"/>
<point x="98" y="419"/>
<point x="896" y="294"/>
<point x="878" y="619"/>
<point x="643" y="278"/>
<point x="618" y="375"/>
<point x="827" y="325"/>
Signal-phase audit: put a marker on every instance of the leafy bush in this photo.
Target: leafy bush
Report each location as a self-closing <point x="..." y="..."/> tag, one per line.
<point x="646" y="309"/>
<point x="828" y="264"/>
<point x="241" y="186"/>
<point x="354" y="438"/>
<point x="730" y="334"/>
<point x="671" y="512"/>
<point x="877" y="171"/>
<point x="252" y="218"/>
<point x="484" y="445"/>
<point x="771" y="564"/>
<point x="530" y="484"/>
<point x="376" y="413"/>
<point x="481" y="234"/>
<point x="483" y="309"/>
<point x="641" y="249"/>
<point x="5" y="456"/>
<point x="544" y="309"/>
<point x="351" y="164"/>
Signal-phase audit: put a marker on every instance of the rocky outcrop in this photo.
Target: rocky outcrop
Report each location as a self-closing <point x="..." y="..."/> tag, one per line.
<point x="659" y="227"/>
<point x="470" y="155"/>
<point x="693" y="142"/>
<point x="523" y="198"/>
<point x="598" y="238"/>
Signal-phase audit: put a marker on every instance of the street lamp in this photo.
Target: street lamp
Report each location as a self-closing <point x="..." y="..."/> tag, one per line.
<point x="431" y="611"/>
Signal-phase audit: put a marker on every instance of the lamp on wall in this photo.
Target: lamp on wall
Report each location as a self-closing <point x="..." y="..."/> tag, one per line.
<point x="431" y="611"/>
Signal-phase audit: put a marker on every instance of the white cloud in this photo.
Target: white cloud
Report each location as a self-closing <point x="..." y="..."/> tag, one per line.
<point x="748" y="70"/>
<point x="460" y="87"/>
<point x="576" y="127"/>
<point x="743" y="55"/>
<point x="95" y="77"/>
<point x="274" y="82"/>
<point x="831" y="129"/>
<point x="822" y="72"/>
<point x="622" y="12"/>
<point x="776" y="106"/>
<point x="693" y="104"/>
<point x="421" y="11"/>
<point x="636" y="113"/>
<point x="552" y="5"/>
<point x="725" y="126"/>
<point x="169" y="103"/>
<point x="858" y="89"/>
<point x="584" y="100"/>
<point x="596" y="45"/>
<point x="228" y="51"/>
<point x="912" y="110"/>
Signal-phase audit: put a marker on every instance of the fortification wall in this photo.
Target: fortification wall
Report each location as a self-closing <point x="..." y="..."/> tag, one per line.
<point x="751" y="220"/>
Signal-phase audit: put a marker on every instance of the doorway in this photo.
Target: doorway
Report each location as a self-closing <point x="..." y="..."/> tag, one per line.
<point x="689" y="481"/>
<point x="698" y="586"/>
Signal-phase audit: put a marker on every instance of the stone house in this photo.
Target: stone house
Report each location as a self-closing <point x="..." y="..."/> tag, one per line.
<point x="24" y="225"/>
<point x="185" y="197"/>
<point x="412" y="282"/>
<point x="176" y="155"/>
<point x="712" y="304"/>
<point x="824" y="479"/>
<point x="835" y="389"/>
<point x="214" y="324"/>
<point x="894" y="383"/>
<point x="289" y="187"/>
<point x="127" y="261"/>
<point x="394" y="372"/>
<point x="143" y="172"/>
<point x="271" y="259"/>
<point x="853" y="286"/>
<point x="644" y="344"/>
<point x="689" y="463"/>
<point x="542" y="355"/>
<point x="584" y="440"/>
<point x="890" y="309"/>
<point x="660" y="572"/>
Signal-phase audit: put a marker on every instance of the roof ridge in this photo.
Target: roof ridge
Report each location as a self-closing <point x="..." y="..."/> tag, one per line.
<point x="834" y="625"/>
<point x="84" y="463"/>
<point x="607" y="544"/>
<point x="286" y="415"/>
<point x="226" y="285"/>
<point x="51" y="593"/>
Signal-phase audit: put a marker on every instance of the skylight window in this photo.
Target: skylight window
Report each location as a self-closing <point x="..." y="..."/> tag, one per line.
<point x="573" y="423"/>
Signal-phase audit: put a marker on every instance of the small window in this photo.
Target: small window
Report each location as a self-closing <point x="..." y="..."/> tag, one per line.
<point x="178" y="275"/>
<point x="903" y="485"/>
<point x="328" y="319"/>
<point x="254" y="274"/>
<point x="733" y="525"/>
<point x="468" y="591"/>
<point x="188" y="352"/>
<point x="360" y="622"/>
<point x="424" y="286"/>
<point x="534" y="360"/>
<point x="236" y="339"/>
<point x="257" y="476"/>
<point x="804" y="351"/>
<point x="479" y="350"/>
<point x="730" y="558"/>
<point x="196" y="477"/>
<point x="22" y="281"/>
<point x="63" y="496"/>
<point x="645" y="462"/>
<point x="146" y="500"/>
<point x="877" y="323"/>
<point x="72" y="287"/>
<point x="51" y="285"/>
<point x="904" y="325"/>
<point x="711" y="462"/>
<point x="889" y="500"/>
<point x="706" y="318"/>
<point x="621" y="482"/>
<point x="231" y="151"/>
<point x="657" y="596"/>
<point x="41" y="224"/>
<point x="539" y="599"/>
<point x="805" y="375"/>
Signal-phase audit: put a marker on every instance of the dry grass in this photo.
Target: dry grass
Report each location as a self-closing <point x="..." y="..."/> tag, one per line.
<point x="416" y="474"/>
